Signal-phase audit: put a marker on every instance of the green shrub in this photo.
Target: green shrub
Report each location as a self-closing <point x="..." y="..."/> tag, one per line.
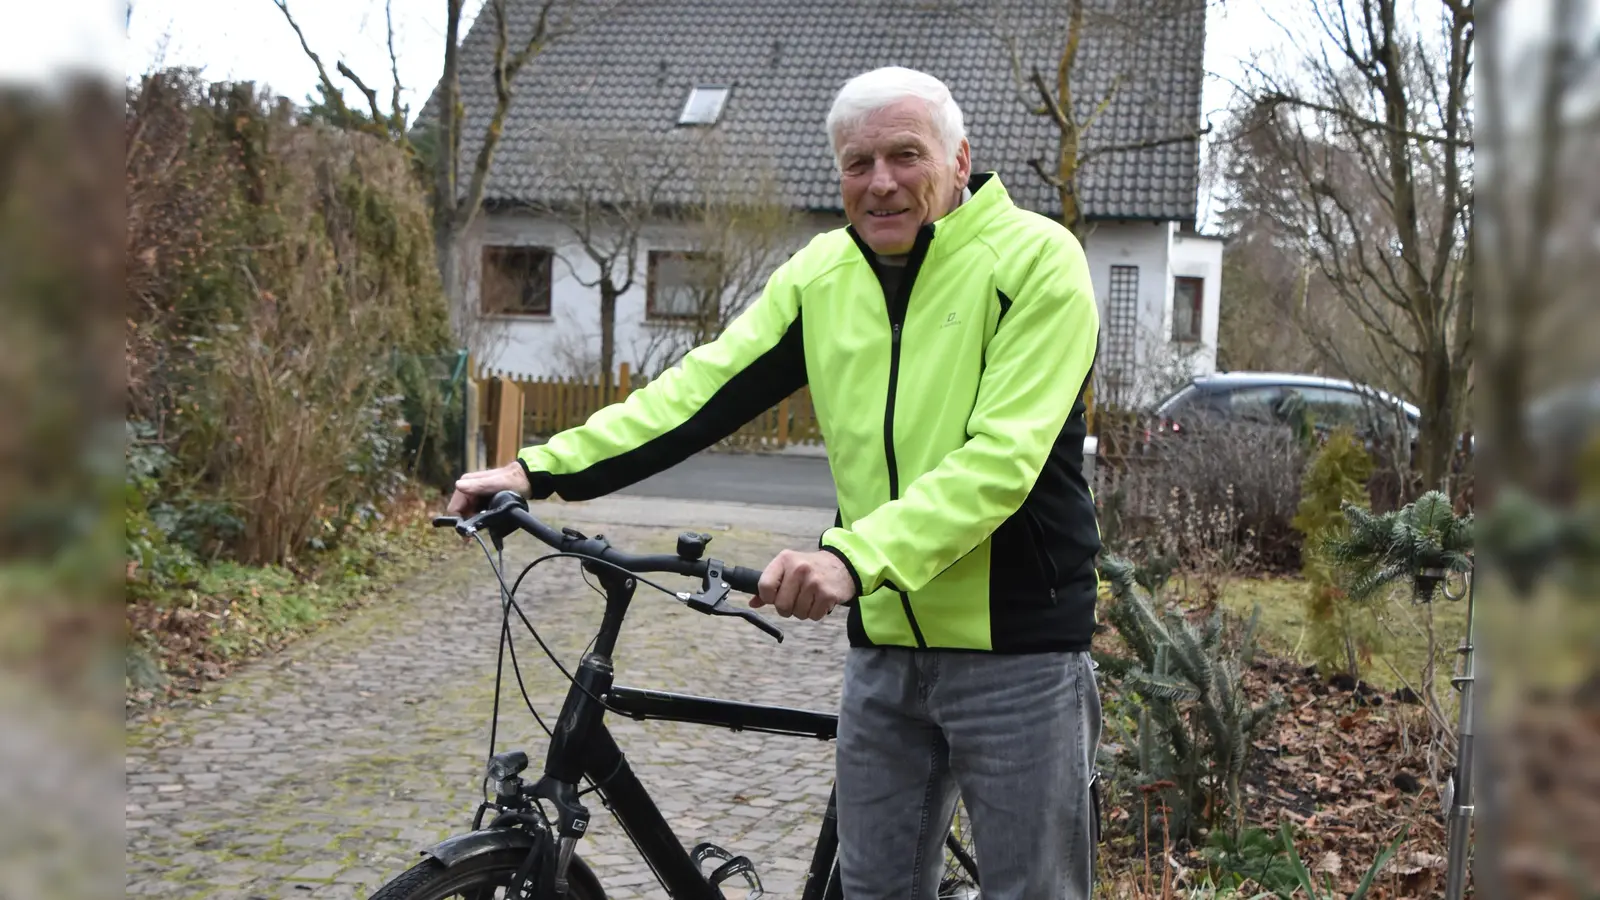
<point x="1195" y="723"/>
<point x="1378" y="551"/>
<point x="1252" y="855"/>
<point x="1341" y="630"/>
<point x="283" y="295"/>
<point x="155" y="559"/>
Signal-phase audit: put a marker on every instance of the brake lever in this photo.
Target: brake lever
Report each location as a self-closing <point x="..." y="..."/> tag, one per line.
<point x="712" y="600"/>
<point x="470" y="525"/>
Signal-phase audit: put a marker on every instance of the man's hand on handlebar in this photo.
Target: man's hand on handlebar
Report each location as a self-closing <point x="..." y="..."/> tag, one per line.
<point x="805" y="585"/>
<point x="474" y="489"/>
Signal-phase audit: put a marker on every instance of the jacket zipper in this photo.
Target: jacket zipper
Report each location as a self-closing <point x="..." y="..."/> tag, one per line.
<point x="897" y="307"/>
<point x="894" y="470"/>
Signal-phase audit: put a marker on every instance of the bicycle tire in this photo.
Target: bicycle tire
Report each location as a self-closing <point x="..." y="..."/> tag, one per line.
<point x="476" y="878"/>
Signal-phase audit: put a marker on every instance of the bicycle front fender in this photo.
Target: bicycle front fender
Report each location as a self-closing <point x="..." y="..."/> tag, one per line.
<point x="452" y="850"/>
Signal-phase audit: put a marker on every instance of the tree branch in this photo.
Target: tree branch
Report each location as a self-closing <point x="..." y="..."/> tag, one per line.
<point x="398" y="123"/>
<point x="1050" y="106"/>
<point x="1356" y="238"/>
<point x="1099" y="108"/>
<point x="1460" y="70"/>
<point x="332" y="93"/>
<point x="447" y="215"/>
<point x="1049" y="177"/>
<point x="1149" y="144"/>
<point x="536" y="40"/>
<point x="378" y="118"/>
<point x="492" y="132"/>
<point x="1069" y="57"/>
<point x="1352" y="118"/>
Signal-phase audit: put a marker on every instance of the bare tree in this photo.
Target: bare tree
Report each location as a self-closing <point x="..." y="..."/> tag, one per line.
<point x="1282" y="311"/>
<point x="1117" y="31"/>
<point x="1371" y="137"/>
<point x="1262" y="325"/>
<point x="713" y="210"/>
<point x="608" y="190"/>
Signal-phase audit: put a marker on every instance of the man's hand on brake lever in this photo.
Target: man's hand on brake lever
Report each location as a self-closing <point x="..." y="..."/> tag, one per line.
<point x="473" y="488"/>
<point x="805" y="585"/>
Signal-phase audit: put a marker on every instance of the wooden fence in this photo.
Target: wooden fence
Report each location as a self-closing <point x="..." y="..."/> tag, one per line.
<point x="516" y="413"/>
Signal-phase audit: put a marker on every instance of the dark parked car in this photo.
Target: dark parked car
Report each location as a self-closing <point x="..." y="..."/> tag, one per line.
<point x="1266" y="398"/>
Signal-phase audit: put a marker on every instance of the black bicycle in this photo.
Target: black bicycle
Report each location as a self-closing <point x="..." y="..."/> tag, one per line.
<point x="525" y="853"/>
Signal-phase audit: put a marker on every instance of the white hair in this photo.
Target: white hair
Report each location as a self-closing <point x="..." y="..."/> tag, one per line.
<point x="874" y="90"/>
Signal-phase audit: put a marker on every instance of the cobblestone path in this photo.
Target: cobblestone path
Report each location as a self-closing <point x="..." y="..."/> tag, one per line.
<point x="320" y="772"/>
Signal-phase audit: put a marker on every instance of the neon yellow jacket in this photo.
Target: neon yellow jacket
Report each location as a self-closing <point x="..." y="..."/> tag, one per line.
<point x="952" y="414"/>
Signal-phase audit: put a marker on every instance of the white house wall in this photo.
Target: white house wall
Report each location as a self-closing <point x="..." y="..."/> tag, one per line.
<point x="1200" y="256"/>
<point x="1144" y="245"/>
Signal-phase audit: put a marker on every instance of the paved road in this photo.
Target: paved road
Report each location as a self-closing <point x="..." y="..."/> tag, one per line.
<point x="771" y="479"/>
<point x="320" y="772"/>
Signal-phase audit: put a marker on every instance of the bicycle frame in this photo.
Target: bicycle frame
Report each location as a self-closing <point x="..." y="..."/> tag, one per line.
<point x="644" y="824"/>
<point x="583" y="747"/>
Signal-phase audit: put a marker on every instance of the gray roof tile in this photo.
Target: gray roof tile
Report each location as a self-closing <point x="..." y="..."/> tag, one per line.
<point x="630" y="74"/>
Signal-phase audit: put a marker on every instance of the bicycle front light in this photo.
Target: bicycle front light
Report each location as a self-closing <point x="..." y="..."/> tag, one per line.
<point x="503" y="771"/>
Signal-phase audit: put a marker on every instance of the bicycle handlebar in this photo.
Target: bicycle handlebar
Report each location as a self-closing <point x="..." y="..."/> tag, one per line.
<point x="508" y="512"/>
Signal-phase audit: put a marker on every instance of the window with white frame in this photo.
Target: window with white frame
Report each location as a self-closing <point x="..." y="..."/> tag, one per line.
<point x="1188" y="308"/>
<point x="678" y="285"/>
<point x="704" y="106"/>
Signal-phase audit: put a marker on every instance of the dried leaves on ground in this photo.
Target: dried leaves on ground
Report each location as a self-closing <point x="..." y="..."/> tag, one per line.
<point x="1347" y="766"/>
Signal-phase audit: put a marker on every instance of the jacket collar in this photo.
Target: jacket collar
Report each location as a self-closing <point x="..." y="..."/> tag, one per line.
<point x="967" y="221"/>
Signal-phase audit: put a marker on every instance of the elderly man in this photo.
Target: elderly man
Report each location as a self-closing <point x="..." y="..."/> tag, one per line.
<point x="947" y="337"/>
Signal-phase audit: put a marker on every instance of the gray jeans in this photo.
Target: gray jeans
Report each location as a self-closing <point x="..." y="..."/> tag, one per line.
<point x="1015" y="734"/>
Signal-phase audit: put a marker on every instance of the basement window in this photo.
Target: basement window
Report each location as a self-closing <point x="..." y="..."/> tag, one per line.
<point x="704" y="106"/>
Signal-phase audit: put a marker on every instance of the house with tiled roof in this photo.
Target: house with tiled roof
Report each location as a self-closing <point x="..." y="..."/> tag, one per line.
<point x="756" y="77"/>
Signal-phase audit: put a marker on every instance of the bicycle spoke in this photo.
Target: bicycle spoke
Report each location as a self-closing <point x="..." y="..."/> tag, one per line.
<point x="960" y="879"/>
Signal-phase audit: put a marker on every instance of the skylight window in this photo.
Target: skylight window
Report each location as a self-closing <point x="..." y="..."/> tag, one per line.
<point x="704" y="106"/>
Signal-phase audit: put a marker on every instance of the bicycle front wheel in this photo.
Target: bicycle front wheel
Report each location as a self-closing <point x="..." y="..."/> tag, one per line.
<point x="959" y="880"/>
<point x="483" y="877"/>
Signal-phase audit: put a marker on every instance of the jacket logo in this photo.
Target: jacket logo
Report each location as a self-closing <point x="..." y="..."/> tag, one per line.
<point x="950" y="320"/>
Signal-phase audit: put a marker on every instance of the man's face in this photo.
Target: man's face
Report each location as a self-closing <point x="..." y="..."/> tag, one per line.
<point x="895" y="177"/>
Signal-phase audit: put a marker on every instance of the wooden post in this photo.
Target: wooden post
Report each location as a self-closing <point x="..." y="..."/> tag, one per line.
<point x="472" y="453"/>
<point x="530" y="405"/>
<point x="519" y="423"/>
<point x="624" y="382"/>
<point x="783" y="423"/>
<point x="507" y="438"/>
<point x="563" y="390"/>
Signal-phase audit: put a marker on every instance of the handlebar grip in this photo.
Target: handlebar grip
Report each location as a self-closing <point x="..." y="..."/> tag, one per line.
<point x="445" y="521"/>
<point x="745" y="581"/>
